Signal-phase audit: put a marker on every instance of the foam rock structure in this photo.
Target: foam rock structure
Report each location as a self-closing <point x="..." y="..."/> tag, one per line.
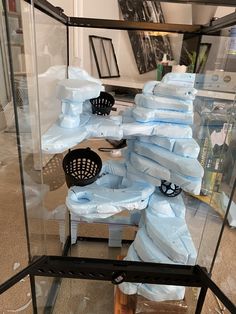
<point x="163" y="237"/>
<point x="160" y="147"/>
<point x="170" y="154"/>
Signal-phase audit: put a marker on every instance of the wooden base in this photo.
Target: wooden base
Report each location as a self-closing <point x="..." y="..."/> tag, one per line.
<point x="123" y="304"/>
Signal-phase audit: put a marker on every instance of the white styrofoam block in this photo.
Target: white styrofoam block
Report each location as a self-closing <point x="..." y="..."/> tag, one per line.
<point x="78" y="73"/>
<point x="186" y="148"/>
<point x="182" y="79"/>
<point x="134" y="128"/>
<point x="78" y="90"/>
<point x="172" y="90"/>
<point x="107" y="196"/>
<point x="147" y="250"/>
<point x="188" y="243"/>
<point x="187" y="183"/>
<point x="158" y="115"/>
<point x="70" y="115"/>
<point x="166" y="234"/>
<point x="105" y="127"/>
<point x="58" y="139"/>
<point x="149" y="86"/>
<point x="165" y="142"/>
<point x="137" y="172"/>
<point x="161" y="204"/>
<point x="166" y="103"/>
<point x="149" y="167"/>
<point x="171" y="235"/>
<point x="115" y="235"/>
<point x="173" y="130"/>
<point x="150" y="252"/>
<point x="134" y="174"/>
<point x="115" y="167"/>
<point x="161" y="292"/>
<point x="185" y="166"/>
<point x="130" y="287"/>
<point x="161" y="129"/>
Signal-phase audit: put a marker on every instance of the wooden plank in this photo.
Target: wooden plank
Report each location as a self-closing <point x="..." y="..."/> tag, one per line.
<point x="123" y="303"/>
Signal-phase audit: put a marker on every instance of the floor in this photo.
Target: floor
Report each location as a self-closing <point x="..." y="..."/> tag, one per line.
<point x="45" y="216"/>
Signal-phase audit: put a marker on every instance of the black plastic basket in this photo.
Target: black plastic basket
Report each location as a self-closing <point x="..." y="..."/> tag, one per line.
<point x="169" y="189"/>
<point x="102" y="105"/>
<point x="81" y="167"/>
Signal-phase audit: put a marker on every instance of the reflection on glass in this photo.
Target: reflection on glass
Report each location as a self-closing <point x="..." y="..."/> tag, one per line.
<point x="38" y="64"/>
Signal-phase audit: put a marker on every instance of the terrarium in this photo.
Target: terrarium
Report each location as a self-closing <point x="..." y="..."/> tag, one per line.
<point x="124" y="124"/>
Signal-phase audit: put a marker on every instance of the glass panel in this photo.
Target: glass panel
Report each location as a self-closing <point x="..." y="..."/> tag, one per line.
<point x="38" y="64"/>
<point x="51" y="61"/>
<point x="18" y="298"/>
<point x="77" y="296"/>
<point x="51" y="66"/>
<point x="213" y="107"/>
<point x="158" y="158"/>
<point x="13" y="230"/>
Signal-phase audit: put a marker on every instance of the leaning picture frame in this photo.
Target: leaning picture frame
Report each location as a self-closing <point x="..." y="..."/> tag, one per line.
<point x="104" y="56"/>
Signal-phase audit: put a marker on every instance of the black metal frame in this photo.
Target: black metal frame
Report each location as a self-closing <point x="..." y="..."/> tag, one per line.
<point x="114" y="270"/>
<point x="226" y="3"/>
<point x="102" y="39"/>
<point x="215" y="26"/>
<point x="118" y="271"/>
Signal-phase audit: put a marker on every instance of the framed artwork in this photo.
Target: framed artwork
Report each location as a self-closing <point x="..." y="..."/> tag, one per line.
<point x="148" y="48"/>
<point x="104" y="56"/>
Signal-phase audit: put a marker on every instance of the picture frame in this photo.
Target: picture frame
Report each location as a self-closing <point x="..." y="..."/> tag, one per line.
<point x="104" y="56"/>
<point x="148" y="47"/>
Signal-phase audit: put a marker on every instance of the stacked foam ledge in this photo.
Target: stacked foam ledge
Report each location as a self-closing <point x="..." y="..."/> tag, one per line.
<point x="169" y="153"/>
<point x="73" y="92"/>
<point x="163" y="236"/>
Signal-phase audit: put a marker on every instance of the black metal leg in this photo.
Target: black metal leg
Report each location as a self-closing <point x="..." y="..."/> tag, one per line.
<point x="56" y="284"/>
<point x="33" y="294"/>
<point x="201" y="300"/>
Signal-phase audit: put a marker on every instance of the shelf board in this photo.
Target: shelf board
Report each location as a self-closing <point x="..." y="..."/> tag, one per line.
<point x="130" y="25"/>
<point x="216" y="94"/>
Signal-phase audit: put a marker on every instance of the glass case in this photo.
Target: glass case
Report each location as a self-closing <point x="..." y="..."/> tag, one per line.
<point x="165" y="179"/>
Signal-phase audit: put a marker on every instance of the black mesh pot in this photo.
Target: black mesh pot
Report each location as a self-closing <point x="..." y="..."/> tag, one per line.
<point x="169" y="189"/>
<point x="81" y="167"/>
<point x="102" y="105"/>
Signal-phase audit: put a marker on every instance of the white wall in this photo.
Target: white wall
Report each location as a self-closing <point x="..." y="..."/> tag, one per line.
<point x="222" y="11"/>
<point x="66" y="5"/>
